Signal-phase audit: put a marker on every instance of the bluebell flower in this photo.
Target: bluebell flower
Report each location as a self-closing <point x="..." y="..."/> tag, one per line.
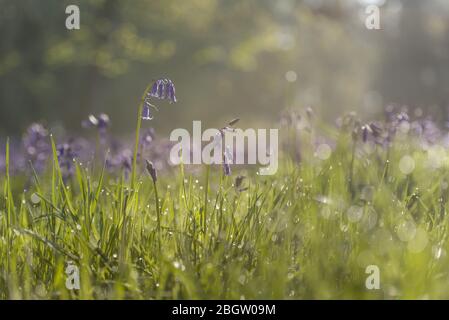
<point x="163" y="89"/>
<point x="365" y="133"/>
<point x="66" y="154"/>
<point x="100" y="122"/>
<point x="146" y="111"/>
<point x="37" y="146"/>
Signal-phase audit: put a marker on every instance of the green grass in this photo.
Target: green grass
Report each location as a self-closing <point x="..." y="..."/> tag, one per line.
<point x="287" y="236"/>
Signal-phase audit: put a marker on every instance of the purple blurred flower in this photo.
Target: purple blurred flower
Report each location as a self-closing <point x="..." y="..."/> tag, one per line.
<point x="36" y="144"/>
<point x="122" y="160"/>
<point x="66" y="155"/>
<point x="147" y="137"/>
<point x="365" y="132"/>
<point x="101" y="122"/>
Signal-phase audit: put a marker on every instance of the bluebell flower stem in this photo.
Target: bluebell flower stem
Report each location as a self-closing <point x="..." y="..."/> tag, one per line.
<point x="136" y="146"/>
<point x="158" y="212"/>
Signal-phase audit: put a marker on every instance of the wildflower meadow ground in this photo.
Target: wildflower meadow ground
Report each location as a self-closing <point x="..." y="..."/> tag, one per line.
<point x="346" y="199"/>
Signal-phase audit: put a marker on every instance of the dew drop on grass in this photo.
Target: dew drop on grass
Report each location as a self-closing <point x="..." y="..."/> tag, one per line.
<point x="406" y="230"/>
<point x="419" y="241"/>
<point x="35" y="198"/>
<point x="438" y="252"/>
<point x="354" y="213"/>
<point x="291" y="76"/>
<point x="407" y="164"/>
<point x="323" y="151"/>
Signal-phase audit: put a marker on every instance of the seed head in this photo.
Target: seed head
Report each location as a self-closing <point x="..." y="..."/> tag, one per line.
<point x="151" y="170"/>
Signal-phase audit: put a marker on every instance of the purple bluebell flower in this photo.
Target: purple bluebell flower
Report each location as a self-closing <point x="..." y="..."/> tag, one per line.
<point x="146" y="111"/>
<point x="66" y="154"/>
<point x="101" y="122"/>
<point x="37" y="146"/>
<point x="365" y="133"/>
<point x="376" y="128"/>
<point x="163" y="89"/>
<point x="125" y="159"/>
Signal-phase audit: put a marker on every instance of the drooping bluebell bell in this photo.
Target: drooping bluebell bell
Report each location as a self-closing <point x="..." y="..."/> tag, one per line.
<point x="146" y="111"/>
<point x="163" y="89"/>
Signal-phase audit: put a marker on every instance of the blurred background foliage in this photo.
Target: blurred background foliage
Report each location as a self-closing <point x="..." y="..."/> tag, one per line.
<point x="228" y="58"/>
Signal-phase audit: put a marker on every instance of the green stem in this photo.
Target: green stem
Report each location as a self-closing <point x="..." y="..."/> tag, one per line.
<point x="206" y="193"/>
<point x="351" y="171"/>
<point x="158" y="212"/>
<point x="136" y="146"/>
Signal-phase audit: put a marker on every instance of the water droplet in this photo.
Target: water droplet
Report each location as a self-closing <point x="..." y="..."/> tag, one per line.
<point x="419" y="241"/>
<point x="291" y="76"/>
<point x="406" y="230"/>
<point x="354" y="213"/>
<point x="407" y="164"/>
<point x="323" y="151"/>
